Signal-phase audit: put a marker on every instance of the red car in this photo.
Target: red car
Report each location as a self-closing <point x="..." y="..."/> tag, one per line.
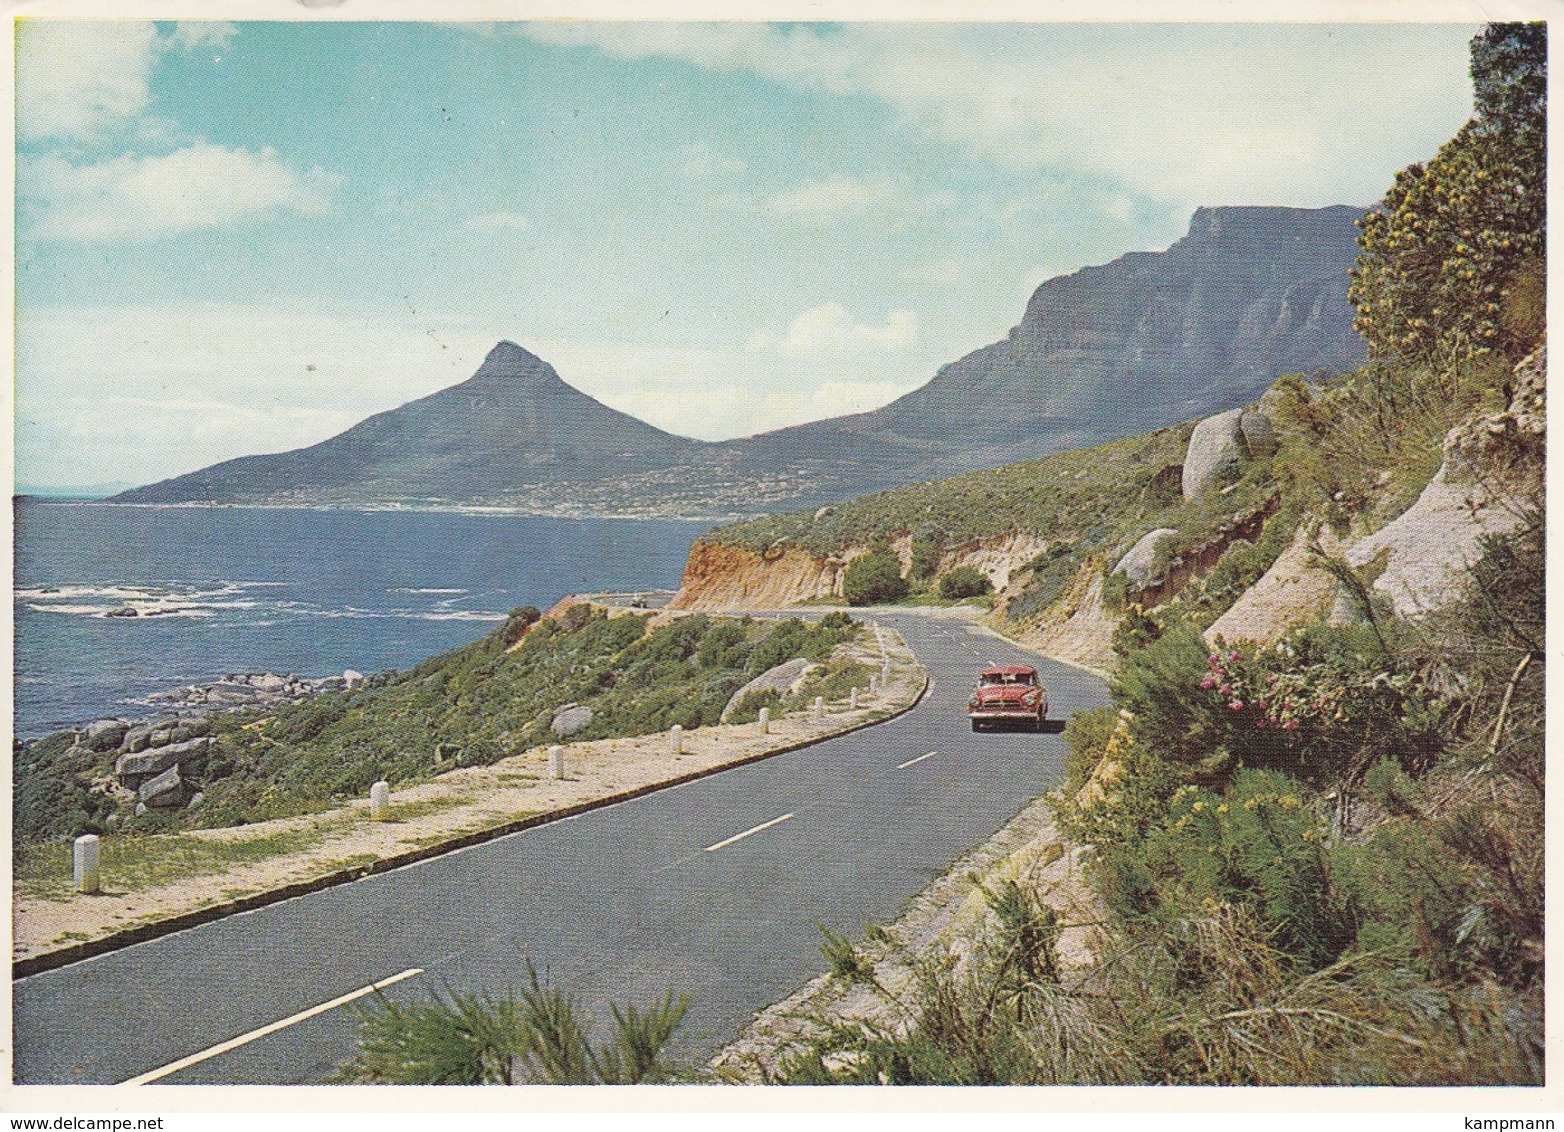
<point x="1008" y="693"/>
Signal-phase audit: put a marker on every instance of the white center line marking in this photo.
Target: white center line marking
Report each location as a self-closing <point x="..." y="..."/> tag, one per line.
<point x="246" y="1039"/>
<point x="919" y="759"/>
<point x="748" y="832"/>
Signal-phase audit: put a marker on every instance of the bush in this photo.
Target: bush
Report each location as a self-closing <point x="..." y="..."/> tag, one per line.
<point x="873" y="578"/>
<point x="964" y="582"/>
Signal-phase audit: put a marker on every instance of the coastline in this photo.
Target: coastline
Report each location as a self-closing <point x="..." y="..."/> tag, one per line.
<point x="452" y="811"/>
<point x="400" y="508"/>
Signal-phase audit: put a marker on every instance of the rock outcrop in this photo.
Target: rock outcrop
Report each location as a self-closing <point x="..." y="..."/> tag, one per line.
<point x="1220" y="442"/>
<point x="1491" y="464"/>
<point x="719" y="577"/>
<point x="1294" y="590"/>
<point x="1139" y="564"/>
<point x="782" y="679"/>
<point x="570" y="719"/>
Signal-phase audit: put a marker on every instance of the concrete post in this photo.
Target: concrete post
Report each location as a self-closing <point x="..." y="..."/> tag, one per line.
<point x="676" y="740"/>
<point x="85" y="864"/>
<point x="380" y="801"/>
<point x="852" y="699"/>
<point x="556" y="762"/>
<point x="819" y="706"/>
<point x="765" y="721"/>
<point x="885" y="672"/>
<point x="874" y="686"/>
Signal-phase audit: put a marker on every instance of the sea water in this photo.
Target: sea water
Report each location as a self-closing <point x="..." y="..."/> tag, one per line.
<point x="229" y="589"/>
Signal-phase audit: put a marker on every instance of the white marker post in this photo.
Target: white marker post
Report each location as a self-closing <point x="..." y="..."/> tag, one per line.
<point x="819" y="707"/>
<point x="380" y="801"/>
<point x="765" y="721"/>
<point x="852" y="699"/>
<point x="874" y="686"/>
<point x="556" y="762"/>
<point x="85" y="864"/>
<point x="676" y="740"/>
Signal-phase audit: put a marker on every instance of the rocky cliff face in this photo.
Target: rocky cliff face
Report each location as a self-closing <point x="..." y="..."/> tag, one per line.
<point x="1147" y="340"/>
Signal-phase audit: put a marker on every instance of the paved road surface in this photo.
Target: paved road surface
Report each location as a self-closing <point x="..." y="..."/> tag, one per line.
<point x="616" y="905"/>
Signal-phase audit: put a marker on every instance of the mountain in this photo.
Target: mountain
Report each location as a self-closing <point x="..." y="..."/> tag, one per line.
<point x="512" y="424"/>
<point x="1147" y="340"/>
<point x="1152" y="338"/>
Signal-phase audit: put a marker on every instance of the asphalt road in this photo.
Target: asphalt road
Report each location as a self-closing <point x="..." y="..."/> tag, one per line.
<point x="616" y="905"/>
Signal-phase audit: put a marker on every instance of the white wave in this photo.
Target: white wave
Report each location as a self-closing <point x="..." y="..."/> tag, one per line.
<point x="415" y="590"/>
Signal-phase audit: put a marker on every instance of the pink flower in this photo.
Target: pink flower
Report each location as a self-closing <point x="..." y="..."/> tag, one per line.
<point x="1261" y="704"/>
<point x="1213" y="659"/>
<point x="1260" y="724"/>
<point x="1236" y="657"/>
<point x="1227" y="689"/>
<point x="1290" y="725"/>
<point x="1235" y="705"/>
<point x="1208" y="683"/>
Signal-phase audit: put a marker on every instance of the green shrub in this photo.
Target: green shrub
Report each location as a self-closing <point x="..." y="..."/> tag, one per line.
<point x="1086" y="735"/>
<point x="747" y="710"/>
<point x="964" y="582"/>
<point x="872" y="579"/>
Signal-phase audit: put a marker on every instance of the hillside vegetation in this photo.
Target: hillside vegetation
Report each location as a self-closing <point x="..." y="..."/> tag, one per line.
<point x="469" y="707"/>
<point x="1319" y="857"/>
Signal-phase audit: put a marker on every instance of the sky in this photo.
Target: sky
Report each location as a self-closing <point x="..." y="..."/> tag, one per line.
<point x="238" y="238"/>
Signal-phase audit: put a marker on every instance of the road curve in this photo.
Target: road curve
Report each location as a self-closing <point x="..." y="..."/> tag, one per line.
<point x="717" y="887"/>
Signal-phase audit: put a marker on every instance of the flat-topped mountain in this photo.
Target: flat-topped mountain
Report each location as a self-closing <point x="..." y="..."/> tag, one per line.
<point x="1147" y="340"/>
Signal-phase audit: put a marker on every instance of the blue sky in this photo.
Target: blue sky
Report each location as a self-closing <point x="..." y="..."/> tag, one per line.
<point x="246" y="237"/>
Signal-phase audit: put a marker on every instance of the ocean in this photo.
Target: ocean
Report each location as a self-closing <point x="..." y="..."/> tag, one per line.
<point x="227" y="589"/>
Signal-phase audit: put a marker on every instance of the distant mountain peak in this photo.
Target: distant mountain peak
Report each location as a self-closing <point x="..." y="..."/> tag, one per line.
<point x="513" y="367"/>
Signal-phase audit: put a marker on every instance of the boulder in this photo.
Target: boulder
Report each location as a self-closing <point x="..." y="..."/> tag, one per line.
<point x="123" y="611"/>
<point x="141" y="808"/>
<point x="137" y="738"/>
<point x="1137" y="564"/>
<point x="105" y="734"/>
<point x="351" y="679"/>
<point x="1258" y="434"/>
<point x="133" y="769"/>
<point x="268" y="682"/>
<point x="570" y="719"/>
<point x="1216" y="444"/>
<point x="164" y="792"/>
<point x="779" y="679"/>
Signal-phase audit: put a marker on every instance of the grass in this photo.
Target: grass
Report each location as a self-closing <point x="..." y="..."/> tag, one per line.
<point x="134" y="863"/>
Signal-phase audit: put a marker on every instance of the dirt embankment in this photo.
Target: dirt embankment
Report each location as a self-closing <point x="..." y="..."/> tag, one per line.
<point x="721" y="577"/>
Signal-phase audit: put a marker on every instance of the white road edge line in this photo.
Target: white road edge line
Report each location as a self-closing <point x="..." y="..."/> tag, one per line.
<point x="919" y="759"/>
<point x="246" y="1039"/>
<point x="748" y="832"/>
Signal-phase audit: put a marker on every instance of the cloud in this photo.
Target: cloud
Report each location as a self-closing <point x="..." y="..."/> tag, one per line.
<point x="716" y="393"/>
<point x="195" y="34"/>
<point x="499" y="221"/>
<point x="74" y="78"/>
<point x="837" y="193"/>
<point x="1192" y="114"/>
<point x="830" y="329"/>
<point x="115" y="393"/>
<point x="134" y="198"/>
